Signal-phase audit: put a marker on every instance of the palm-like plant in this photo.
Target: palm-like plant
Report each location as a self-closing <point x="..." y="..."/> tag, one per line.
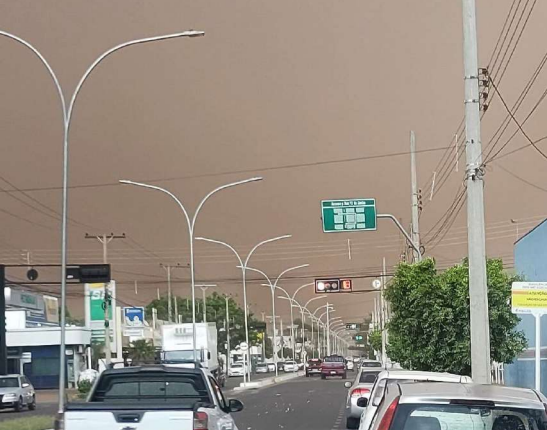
<point x="141" y="351"/>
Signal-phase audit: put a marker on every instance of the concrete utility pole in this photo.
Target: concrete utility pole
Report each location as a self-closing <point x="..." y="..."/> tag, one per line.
<point x="168" y="268"/>
<point x="105" y="239"/>
<point x="227" y="334"/>
<point x="415" y="231"/>
<point x="328" y="330"/>
<point x="478" y="293"/>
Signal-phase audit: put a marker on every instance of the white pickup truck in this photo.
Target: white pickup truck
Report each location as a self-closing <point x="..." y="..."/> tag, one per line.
<point x="152" y="398"/>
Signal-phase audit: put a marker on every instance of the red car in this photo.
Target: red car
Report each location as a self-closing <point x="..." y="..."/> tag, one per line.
<point x="333" y="365"/>
<point x="313" y="367"/>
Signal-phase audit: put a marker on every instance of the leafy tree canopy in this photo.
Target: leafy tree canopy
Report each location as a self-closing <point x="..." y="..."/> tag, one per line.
<point x="429" y="328"/>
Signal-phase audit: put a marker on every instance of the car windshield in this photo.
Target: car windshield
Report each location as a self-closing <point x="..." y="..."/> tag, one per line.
<point x="183" y="389"/>
<point x="237" y="366"/>
<point x="334" y="359"/>
<point x="371" y="364"/>
<point x="178" y="356"/>
<point x="368" y="377"/>
<point x="9" y="383"/>
<point x="467" y="417"/>
<point x="261" y="365"/>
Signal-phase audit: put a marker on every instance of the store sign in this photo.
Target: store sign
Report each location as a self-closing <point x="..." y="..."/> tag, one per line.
<point x="94" y="312"/>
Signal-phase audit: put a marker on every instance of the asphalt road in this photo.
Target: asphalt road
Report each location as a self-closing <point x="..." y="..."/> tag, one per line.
<point x="300" y="404"/>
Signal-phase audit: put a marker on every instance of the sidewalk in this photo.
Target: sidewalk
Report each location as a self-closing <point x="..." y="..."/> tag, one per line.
<point x="268" y="381"/>
<point x="52" y="396"/>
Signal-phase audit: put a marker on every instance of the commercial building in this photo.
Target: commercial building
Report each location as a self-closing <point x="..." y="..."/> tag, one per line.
<point x="33" y="339"/>
<point x="530" y="263"/>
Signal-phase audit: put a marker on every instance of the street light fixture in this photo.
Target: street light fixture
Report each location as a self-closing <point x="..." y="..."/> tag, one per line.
<point x="204" y="288"/>
<point x="243" y="265"/>
<point x="191" y="224"/>
<point x="273" y="286"/>
<point x="67" y="117"/>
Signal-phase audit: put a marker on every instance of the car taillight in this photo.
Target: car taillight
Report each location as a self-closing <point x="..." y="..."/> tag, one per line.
<point x="201" y="421"/>
<point x="360" y="392"/>
<point x="385" y="424"/>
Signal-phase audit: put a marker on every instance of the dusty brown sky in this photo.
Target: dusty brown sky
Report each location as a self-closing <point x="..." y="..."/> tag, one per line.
<point x="273" y="83"/>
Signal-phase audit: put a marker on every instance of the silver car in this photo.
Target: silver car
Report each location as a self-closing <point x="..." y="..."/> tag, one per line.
<point x="17" y="392"/>
<point x="386" y="376"/>
<point x="455" y="406"/>
<point x="360" y="387"/>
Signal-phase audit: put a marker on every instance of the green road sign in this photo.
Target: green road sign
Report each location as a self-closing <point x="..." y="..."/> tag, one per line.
<point x="348" y="215"/>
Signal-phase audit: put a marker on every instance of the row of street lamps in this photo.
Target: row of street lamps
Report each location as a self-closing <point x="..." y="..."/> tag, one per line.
<point x="67" y="114"/>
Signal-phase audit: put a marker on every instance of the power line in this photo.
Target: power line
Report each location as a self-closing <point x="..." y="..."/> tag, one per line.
<point x="233" y="172"/>
<point x="516" y="121"/>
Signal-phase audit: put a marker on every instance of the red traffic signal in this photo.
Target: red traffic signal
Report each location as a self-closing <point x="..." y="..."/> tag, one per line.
<point x="327" y="286"/>
<point x="346" y="286"/>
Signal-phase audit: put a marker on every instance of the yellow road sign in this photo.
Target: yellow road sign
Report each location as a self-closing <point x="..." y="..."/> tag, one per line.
<point x="529" y="297"/>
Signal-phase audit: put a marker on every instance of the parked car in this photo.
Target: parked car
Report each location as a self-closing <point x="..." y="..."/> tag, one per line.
<point x="236" y="369"/>
<point x="262" y="368"/>
<point x="313" y="367"/>
<point x="455" y="406"/>
<point x="349" y="365"/>
<point x="370" y="363"/>
<point x="150" y="398"/>
<point x="271" y="367"/>
<point x="333" y="365"/>
<point x="17" y="392"/>
<point x="290" y="366"/>
<point x="378" y="390"/>
<point x="359" y="388"/>
<point x="280" y="366"/>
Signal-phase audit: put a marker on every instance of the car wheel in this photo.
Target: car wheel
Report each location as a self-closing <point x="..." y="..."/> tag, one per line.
<point x="352" y="423"/>
<point x="19" y="405"/>
<point x="344" y="376"/>
<point x="32" y="406"/>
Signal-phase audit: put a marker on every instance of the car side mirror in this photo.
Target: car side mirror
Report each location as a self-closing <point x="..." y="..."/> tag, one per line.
<point x="362" y="402"/>
<point x="348" y="384"/>
<point x="25" y="385"/>
<point x="235" y="405"/>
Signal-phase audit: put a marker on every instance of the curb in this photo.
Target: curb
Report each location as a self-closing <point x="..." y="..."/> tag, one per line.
<point x="267" y="382"/>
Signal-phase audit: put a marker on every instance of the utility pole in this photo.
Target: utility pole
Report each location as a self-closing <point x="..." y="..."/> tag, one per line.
<point x="415" y="230"/>
<point x="167" y="268"/>
<point x="227" y="335"/>
<point x="478" y="293"/>
<point x="105" y="240"/>
<point x="3" y="334"/>
<point x="328" y="329"/>
<point x="383" y="315"/>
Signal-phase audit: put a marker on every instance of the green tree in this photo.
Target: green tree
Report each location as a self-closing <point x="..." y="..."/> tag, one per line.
<point x="141" y="351"/>
<point x="375" y="340"/>
<point x="429" y="328"/>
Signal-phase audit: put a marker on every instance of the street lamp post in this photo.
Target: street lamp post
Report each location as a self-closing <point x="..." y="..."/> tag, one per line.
<point x="191" y="223"/>
<point x="273" y="286"/>
<point x="319" y="341"/>
<point x="67" y="112"/>
<point x="294" y="303"/>
<point x="204" y="288"/>
<point x="243" y="265"/>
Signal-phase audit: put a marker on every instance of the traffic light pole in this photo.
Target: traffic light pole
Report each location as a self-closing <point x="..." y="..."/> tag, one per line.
<point x="3" y="344"/>
<point x="405" y="234"/>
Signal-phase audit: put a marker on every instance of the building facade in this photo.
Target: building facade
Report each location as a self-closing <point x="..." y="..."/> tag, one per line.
<point x="530" y="263"/>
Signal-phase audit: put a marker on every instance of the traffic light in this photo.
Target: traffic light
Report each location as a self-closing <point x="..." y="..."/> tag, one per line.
<point x="89" y="273"/>
<point x="346" y="286"/>
<point x="327" y="286"/>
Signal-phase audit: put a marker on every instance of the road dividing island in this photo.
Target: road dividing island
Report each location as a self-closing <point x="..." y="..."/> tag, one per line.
<point x="255" y="385"/>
